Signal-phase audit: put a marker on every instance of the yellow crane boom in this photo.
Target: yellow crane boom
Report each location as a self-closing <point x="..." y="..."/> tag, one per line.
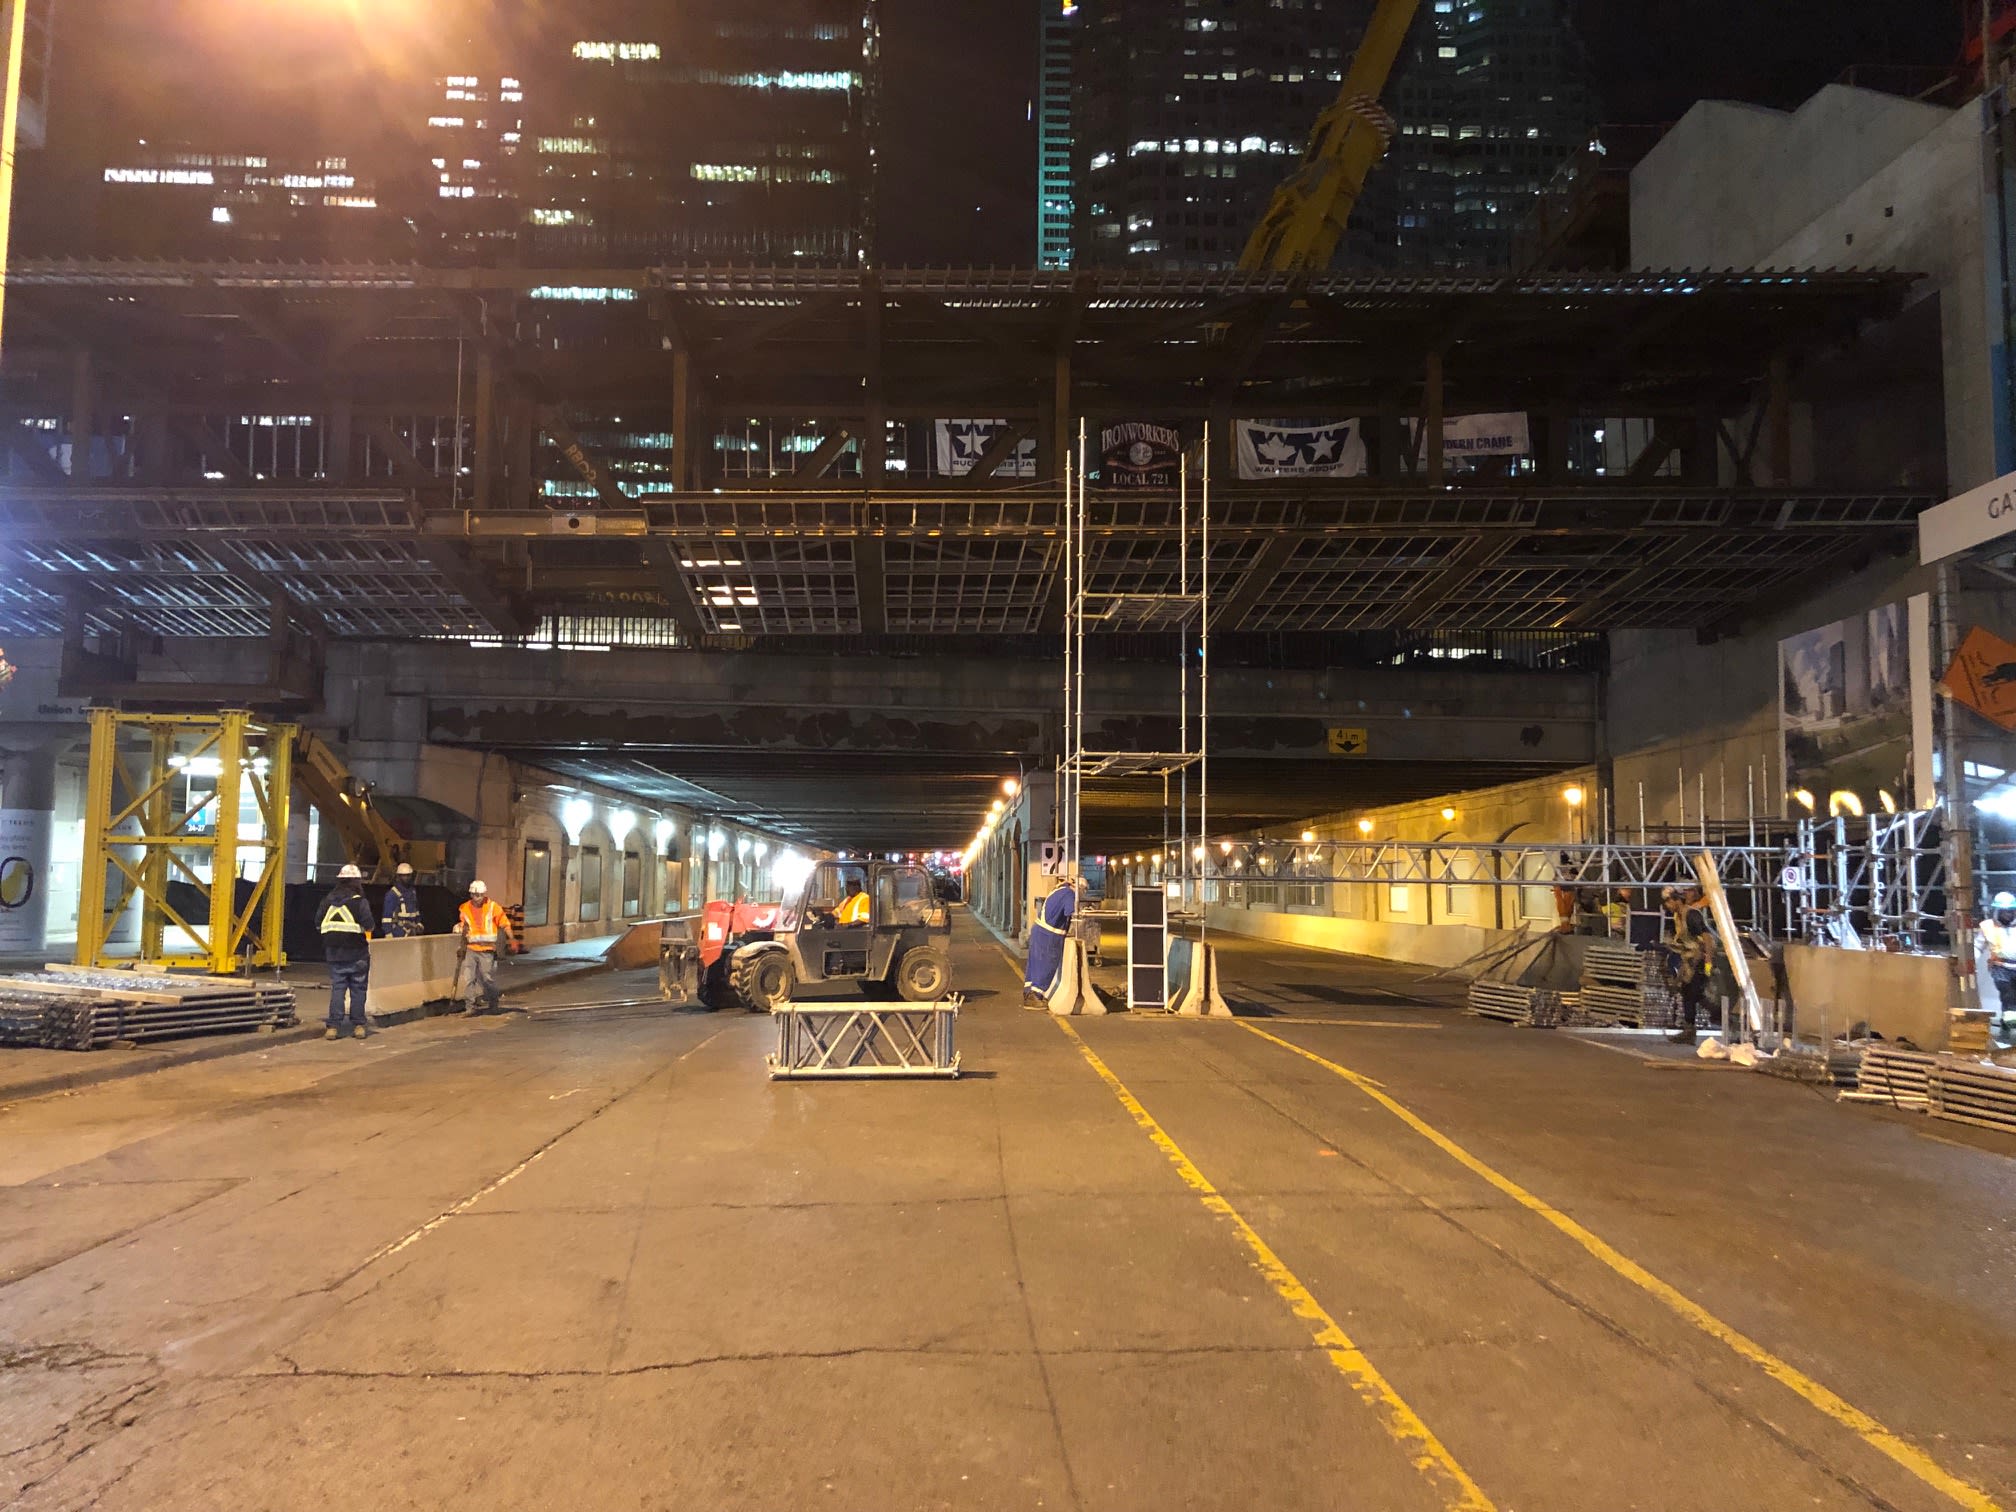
<point x="368" y="837"/>
<point x="1306" y="218"/>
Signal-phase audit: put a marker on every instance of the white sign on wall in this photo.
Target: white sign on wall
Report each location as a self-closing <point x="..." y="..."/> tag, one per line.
<point x="24" y="879"/>
<point x="1975" y="518"/>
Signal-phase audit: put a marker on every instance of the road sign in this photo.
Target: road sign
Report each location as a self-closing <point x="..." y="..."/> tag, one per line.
<point x="1983" y="677"/>
<point x="1350" y="742"/>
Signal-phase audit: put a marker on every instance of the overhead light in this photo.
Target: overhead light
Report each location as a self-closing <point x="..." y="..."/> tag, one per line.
<point x="1804" y="797"/>
<point x="1364" y="826"/>
<point x="999" y="807"/>
<point x="1883" y="796"/>
<point x="1308" y="836"/>
<point x="1841" y="801"/>
<point x="1448" y="814"/>
<point x="574" y="816"/>
<point x="1011" y="787"/>
<point x="663" y="831"/>
<point x="1225" y="846"/>
<point x="1573" y="796"/>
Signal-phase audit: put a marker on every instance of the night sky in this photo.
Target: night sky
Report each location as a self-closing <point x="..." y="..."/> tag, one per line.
<point x="958" y="162"/>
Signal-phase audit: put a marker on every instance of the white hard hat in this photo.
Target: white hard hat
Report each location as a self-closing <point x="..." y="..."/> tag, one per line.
<point x="477" y="888"/>
<point x="350" y="874"/>
<point x="404" y="869"/>
<point x="2005" y="900"/>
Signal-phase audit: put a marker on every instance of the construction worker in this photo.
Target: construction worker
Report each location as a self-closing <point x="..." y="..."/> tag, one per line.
<point x="854" y="911"/>
<point x="402" y="906"/>
<point x="1696" y="947"/>
<point x="483" y="924"/>
<point x="1047" y="939"/>
<point x="345" y="924"/>
<point x="1998" y="942"/>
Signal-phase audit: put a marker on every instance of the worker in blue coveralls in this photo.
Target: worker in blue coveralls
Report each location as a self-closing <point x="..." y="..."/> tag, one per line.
<point x="345" y="924"/>
<point x="402" y="906"/>
<point x="1046" y="940"/>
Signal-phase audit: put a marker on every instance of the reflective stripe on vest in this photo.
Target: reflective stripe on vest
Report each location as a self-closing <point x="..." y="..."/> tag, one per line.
<point x="2001" y="940"/>
<point x="482" y="922"/>
<point x="338" y="920"/>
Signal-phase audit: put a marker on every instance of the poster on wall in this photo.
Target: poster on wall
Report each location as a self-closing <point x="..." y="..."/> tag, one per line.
<point x="1301" y="448"/>
<point x="1845" y="708"/>
<point x="25" y="836"/>
<point x="962" y="443"/>
<point x="1135" y="454"/>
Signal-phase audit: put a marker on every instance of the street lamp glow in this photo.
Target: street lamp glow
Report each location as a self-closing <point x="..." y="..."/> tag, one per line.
<point x="1448" y="814"/>
<point x="1364" y="826"/>
<point x="998" y="807"/>
<point x="1011" y="787"/>
<point x="1573" y="795"/>
<point x="1308" y="837"/>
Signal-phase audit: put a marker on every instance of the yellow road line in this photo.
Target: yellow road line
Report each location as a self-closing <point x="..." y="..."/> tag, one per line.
<point x="1456" y="1490"/>
<point x="1865" y="1427"/>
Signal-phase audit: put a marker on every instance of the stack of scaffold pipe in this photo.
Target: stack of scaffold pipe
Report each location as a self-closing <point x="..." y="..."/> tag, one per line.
<point x="67" y="1008"/>
<point x="1621" y="988"/>
<point x="1510" y="1003"/>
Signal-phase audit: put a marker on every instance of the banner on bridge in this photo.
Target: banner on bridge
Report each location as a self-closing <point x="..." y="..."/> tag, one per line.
<point x="1301" y="448"/>
<point x="962" y="443"/>
<point x="1135" y="454"/>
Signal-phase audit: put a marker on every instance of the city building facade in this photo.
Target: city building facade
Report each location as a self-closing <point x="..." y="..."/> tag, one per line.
<point x="1185" y="119"/>
<point x="1053" y="134"/>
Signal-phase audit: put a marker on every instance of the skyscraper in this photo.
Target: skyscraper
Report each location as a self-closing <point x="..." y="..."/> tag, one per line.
<point x="1494" y="98"/>
<point x="1053" y="134"/>
<point x="715" y="130"/>
<point x="1186" y="117"/>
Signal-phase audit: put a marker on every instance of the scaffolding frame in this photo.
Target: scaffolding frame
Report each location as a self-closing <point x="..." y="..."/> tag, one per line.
<point x="1878" y="882"/>
<point x="137" y="844"/>
<point x="1089" y="612"/>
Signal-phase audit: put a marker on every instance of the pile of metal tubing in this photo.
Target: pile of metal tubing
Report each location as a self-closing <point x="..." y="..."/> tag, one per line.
<point x="79" y="1009"/>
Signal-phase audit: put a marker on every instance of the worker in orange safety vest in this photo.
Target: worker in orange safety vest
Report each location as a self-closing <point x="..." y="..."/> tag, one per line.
<point x="483" y="925"/>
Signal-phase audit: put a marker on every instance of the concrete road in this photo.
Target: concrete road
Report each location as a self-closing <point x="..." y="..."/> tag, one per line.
<point x="1357" y="1254"/>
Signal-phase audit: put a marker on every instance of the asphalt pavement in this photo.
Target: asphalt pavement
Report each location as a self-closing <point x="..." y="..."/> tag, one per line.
<point x="1352" y="1251"/>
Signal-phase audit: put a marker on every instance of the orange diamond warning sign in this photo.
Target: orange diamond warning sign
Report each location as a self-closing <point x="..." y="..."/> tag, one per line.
<point x="1983" y="677"/>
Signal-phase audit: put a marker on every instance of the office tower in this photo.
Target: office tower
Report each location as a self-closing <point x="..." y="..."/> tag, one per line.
<point x="1187" y="116"/>
<point x="717" y="130"/>
<point x="1053" y="134"/>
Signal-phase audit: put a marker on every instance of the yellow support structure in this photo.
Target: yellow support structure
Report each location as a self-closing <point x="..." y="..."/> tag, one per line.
<point x="1306" y="218"/>
<point x="196" y="799"/>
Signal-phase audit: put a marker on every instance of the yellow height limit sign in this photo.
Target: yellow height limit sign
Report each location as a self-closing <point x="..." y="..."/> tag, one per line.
<point x="1349" y="742"/>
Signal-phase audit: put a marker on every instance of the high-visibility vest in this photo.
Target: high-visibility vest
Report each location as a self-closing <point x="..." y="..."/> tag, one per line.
<point x="854" y="910"/>
<point x="481" y="923"/>
<point x="338" y="920"/>
<point x="2000" y="940"/>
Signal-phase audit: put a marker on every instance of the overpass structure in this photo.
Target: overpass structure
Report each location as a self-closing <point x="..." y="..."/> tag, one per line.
<point x="678" y="455"/>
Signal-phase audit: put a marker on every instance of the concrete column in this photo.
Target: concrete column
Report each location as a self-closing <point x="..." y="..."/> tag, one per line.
<point x="337" y="454"/>
<point x="83" y="416"/>
<point x="686" y="447"/>
<point x="1778" y="420"/>
<point x="1431" y="421"/>
<point x="484" y="468"/>
<point x="27" y="832"/>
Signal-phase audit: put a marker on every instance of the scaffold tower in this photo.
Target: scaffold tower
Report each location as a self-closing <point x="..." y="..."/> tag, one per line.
<point x="1172" y="597"/>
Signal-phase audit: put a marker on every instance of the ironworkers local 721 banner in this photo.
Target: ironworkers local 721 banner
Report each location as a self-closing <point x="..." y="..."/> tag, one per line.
<point x="1301" y="449"/>
<point x="1135" y="454"/>
<point x="962" y="443"/>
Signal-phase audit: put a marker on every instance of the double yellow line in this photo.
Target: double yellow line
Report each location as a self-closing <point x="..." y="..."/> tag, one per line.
<point x="1455" y="1487"/>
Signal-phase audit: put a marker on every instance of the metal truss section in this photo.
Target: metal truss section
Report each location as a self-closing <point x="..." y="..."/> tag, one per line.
<point x="207" y="564"/>
<point x="865" y="1040"/>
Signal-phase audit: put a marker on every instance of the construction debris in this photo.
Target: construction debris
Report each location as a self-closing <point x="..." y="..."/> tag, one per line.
<point x="69" y="1008"/>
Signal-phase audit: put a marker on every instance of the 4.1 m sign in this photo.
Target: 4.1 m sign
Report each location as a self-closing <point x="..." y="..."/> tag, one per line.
<point x="1974" y="519"/>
